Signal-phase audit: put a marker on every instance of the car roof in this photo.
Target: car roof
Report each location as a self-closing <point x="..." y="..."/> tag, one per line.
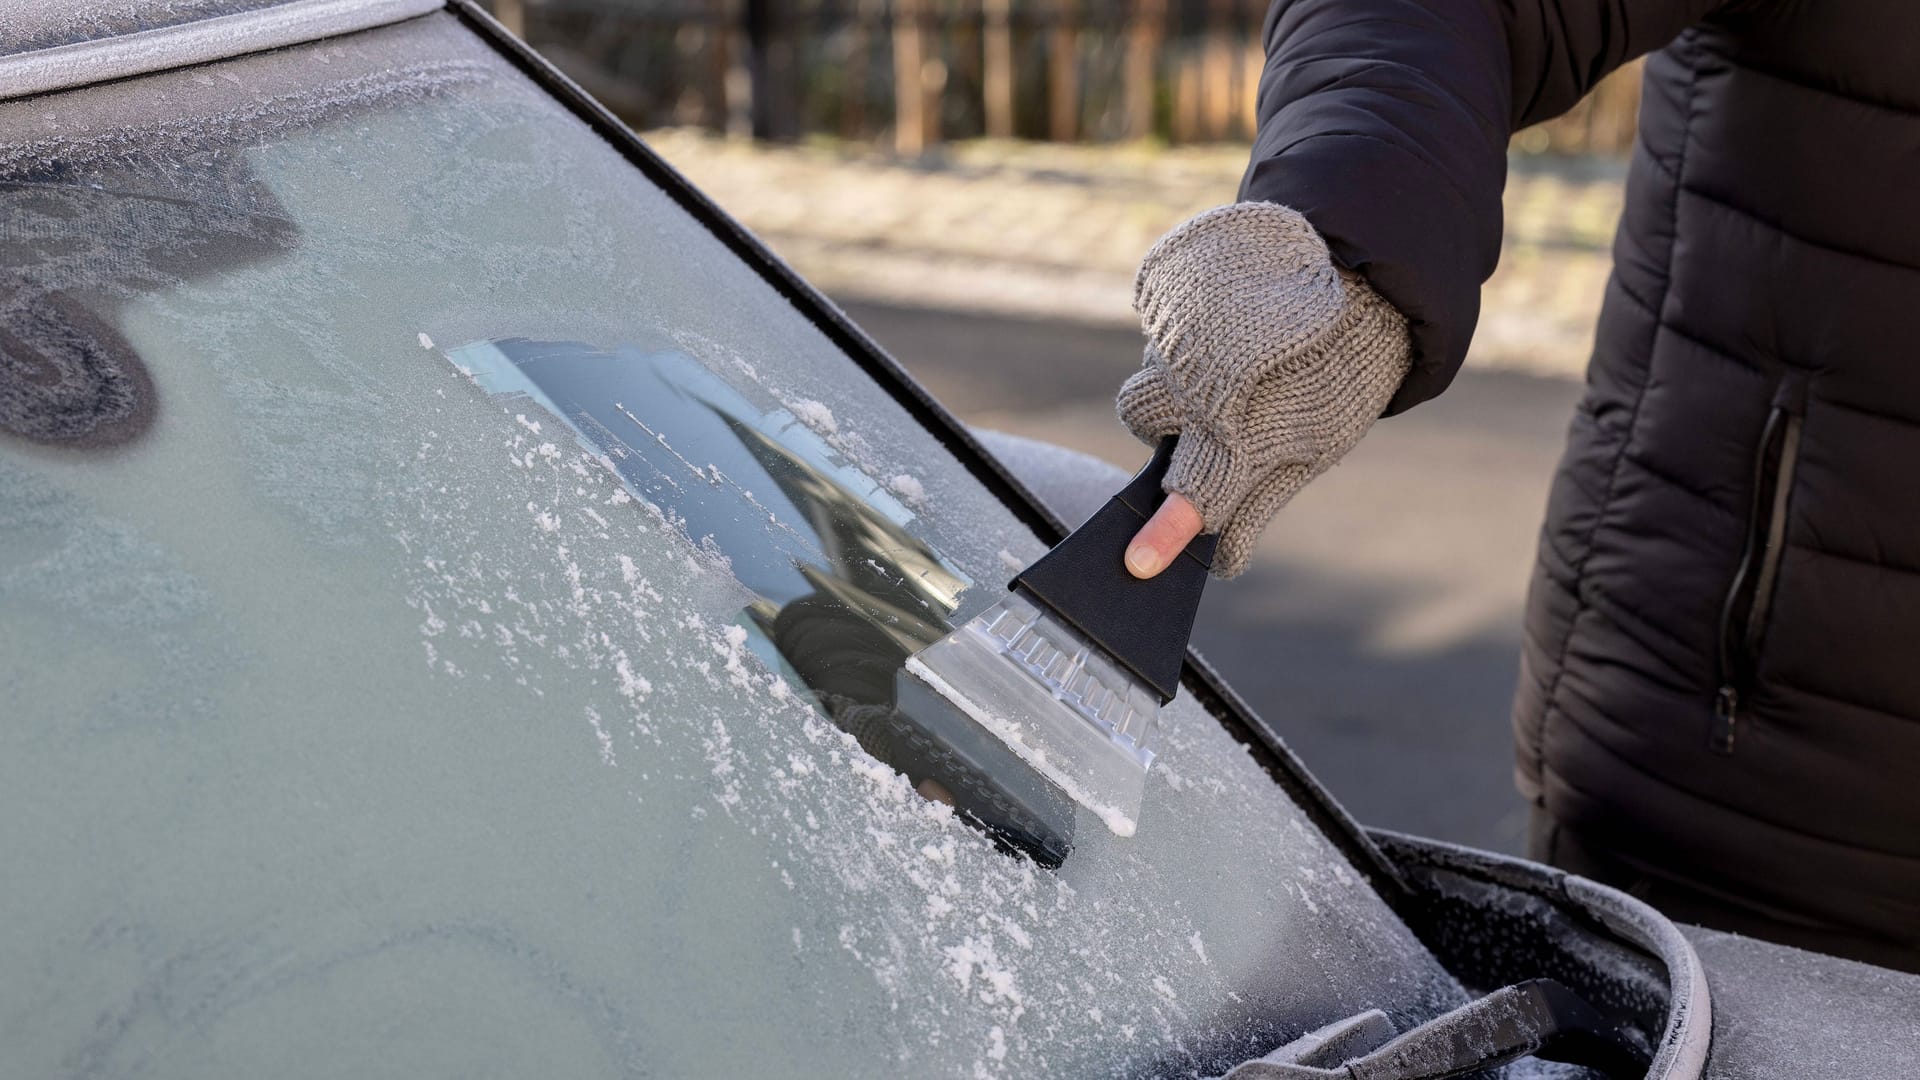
<point x="60" y="44"/>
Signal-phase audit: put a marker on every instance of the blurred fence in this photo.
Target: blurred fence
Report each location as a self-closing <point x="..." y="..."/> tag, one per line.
<point x="918" y="72"/>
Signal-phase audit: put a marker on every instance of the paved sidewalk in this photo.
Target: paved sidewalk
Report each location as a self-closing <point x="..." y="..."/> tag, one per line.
<point x="1045" y="231"/>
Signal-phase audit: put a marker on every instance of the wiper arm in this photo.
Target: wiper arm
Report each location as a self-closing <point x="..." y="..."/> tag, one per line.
<point x="1537" y="1017"/>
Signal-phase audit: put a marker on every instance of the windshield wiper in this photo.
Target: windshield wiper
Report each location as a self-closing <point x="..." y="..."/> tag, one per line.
<point x="1539" y="1017"/>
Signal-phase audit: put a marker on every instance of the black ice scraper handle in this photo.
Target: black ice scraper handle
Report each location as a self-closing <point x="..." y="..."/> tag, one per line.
<point x="1144" y="625"/>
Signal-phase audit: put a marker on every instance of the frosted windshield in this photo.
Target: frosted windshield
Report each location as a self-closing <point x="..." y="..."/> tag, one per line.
<point x="426" y="555"/>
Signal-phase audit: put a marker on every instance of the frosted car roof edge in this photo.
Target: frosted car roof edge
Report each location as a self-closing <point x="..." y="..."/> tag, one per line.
<point x="83" y="63"/>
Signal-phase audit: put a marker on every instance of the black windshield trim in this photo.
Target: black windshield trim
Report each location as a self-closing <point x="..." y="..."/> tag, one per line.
<point x="1199" y="677"/>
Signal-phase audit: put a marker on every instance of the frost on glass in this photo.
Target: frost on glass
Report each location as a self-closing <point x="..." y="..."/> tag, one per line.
<point x="367" y="713"/>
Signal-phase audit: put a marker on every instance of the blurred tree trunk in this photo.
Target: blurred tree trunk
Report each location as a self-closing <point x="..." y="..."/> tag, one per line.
<point x="853" y="104"/>
<point x="761" y="68"/>
<point x="1063" y="74"/>
<point x="1217" y="64"/>
<point x="715" y="65"/>
<point x="1144" y="32"/>
<point x="1253" y="63"/>
<point x="909" y="61"/>
<point x="1186" y="97"/>
<point x="997" y="68"/>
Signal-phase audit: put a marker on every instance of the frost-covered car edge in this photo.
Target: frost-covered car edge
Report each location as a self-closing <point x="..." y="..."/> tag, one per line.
<point x="1777" y="1011"/>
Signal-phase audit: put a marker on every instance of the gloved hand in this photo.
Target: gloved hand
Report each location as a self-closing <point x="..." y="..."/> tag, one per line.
<point x="1267" y="360"/>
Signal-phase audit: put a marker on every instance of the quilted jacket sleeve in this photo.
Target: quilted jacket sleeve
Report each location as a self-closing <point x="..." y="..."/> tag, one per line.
<point x="1385" y="123"/>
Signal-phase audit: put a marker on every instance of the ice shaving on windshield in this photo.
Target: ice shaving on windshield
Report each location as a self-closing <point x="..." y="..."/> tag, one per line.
<point x="840" y="593"/>
<point x="1071" y="667"/>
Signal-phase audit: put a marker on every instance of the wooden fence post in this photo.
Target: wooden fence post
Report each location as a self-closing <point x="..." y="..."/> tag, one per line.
<point x="1218" y="70"/>
<point x="715" y="65"/>
<point x="996" y="75"/>
<point x="909" y="57"/>
<point x="1063" y="74"/>
<point x="1186" y="96"/>
<point x="1253" y="63"/>
<point x="767" y="70"/>
<point x="853" y="105"/>
<point x="753" y="18"/>
<point x="1144" y="27"/>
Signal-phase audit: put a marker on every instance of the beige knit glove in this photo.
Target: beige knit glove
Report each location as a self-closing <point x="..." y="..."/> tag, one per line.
<point x="1267" y="360"/>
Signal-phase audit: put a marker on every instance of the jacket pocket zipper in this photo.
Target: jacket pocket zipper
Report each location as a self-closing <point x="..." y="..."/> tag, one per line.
<point x="1744" y="612"/>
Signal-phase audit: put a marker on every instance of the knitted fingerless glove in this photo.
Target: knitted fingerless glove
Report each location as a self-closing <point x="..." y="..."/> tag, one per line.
<point x="1267" y="360"/>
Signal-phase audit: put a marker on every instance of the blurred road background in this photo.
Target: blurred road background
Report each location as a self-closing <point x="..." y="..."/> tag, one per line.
<point x="1379" y="627"/>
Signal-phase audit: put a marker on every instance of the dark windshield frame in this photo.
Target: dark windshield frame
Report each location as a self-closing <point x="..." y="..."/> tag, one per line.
<point x="1197" y="676"/>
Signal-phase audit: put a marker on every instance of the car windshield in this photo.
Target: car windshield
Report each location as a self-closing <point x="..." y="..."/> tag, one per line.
<point x="449" y="607"/>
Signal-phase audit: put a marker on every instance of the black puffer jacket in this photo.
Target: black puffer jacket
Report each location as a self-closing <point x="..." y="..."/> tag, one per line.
<point x="1721" y="678"/>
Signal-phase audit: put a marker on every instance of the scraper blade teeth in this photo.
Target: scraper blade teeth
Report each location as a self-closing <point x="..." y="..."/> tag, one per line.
<point x="1072" y="672"/>
<point x="1061" y="704"/>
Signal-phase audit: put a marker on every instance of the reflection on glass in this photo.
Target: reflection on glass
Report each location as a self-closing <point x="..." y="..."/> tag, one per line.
<point x="842" y="592"/>
<point x="68" y="378"/>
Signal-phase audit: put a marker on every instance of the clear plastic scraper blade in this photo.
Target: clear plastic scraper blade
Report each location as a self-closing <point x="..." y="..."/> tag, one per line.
<point x="1051" y="695"/>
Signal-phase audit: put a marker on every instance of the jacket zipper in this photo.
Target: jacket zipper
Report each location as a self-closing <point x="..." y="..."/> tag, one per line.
<point x="1749" y="600"/>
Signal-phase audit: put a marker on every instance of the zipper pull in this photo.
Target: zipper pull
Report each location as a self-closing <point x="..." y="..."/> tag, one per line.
<point x="1726" y="710"/>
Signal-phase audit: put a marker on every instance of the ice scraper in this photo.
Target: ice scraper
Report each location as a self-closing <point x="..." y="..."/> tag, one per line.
<point x="1071" y="667"/>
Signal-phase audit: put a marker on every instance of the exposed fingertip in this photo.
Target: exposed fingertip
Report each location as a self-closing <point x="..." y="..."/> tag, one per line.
<point x="1144" y="560"/>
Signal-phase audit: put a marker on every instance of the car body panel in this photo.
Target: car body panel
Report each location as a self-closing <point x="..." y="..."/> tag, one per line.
<point x="1783" y="1012"/>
